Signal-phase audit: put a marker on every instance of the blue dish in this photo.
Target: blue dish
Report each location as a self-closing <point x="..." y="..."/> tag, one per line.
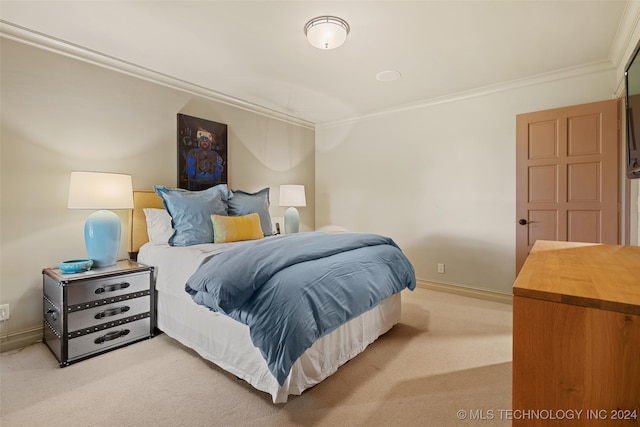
<point x="75" y="265"/>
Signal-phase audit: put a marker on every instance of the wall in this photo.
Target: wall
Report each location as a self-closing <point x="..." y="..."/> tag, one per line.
<point x="440" y="178"/>
<point x="60" y="114"/>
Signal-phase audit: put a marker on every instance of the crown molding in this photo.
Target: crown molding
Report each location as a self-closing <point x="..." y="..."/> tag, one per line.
<point x="39" y="40"/>
<point x="622" y="48"/>
<point x="596" y="67"/>
<point x="624" y="41"/>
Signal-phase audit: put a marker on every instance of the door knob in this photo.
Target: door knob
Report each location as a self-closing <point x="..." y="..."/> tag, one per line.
<point x="522" y="221"/>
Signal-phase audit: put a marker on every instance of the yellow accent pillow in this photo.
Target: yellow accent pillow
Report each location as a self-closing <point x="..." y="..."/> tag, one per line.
<point x="236" y="228"/>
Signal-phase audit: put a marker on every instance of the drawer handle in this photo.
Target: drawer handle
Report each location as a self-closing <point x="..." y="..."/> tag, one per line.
<point x="111" y="288"/>
<point x="112" y="312"/>
<point x="111" y="336"/>
<point x="53" y="314"/>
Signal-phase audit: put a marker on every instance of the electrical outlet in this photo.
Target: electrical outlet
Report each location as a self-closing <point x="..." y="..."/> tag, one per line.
<point x="441" y="268"/>
<point x="4" y="312"/>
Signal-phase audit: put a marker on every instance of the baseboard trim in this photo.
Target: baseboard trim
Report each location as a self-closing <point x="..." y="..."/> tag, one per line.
<point x="466" y="292"/>
<point x="20" y="339"/>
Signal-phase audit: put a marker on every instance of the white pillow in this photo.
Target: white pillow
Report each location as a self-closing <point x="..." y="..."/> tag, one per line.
<point x="158" y="225"/>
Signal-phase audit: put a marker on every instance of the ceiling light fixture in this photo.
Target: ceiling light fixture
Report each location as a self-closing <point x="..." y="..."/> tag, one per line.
<point x="388" y="76"/>
<point x="326" y="32"/>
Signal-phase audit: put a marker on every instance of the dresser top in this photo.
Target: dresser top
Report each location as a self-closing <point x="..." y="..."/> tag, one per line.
<point x="585" y="274"/>
<point x="123" y="266"/>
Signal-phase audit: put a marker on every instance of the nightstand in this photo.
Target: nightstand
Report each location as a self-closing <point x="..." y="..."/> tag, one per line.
<point x="98" y="310"/>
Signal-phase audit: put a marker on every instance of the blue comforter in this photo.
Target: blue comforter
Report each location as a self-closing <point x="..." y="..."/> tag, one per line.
<point x="292" y="290"/>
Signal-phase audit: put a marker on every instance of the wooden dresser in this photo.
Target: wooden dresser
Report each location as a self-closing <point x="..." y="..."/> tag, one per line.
<point x="576" y="336"/>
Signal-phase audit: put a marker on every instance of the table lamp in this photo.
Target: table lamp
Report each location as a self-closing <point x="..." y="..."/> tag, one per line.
<point x="292" y="196"/>
<point x="98" y="190"/>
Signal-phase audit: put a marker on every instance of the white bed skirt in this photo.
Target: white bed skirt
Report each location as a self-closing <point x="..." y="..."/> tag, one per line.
<point x="227" y="343"/>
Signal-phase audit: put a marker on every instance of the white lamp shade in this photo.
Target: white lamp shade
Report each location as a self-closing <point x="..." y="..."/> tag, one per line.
<point x="292" y="195"/>
<point x="326" y="32"/>
<point x="99" y="190"/>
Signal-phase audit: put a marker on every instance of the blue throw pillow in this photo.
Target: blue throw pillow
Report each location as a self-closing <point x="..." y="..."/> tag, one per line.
<point x="191" y="212"/>
<point x="244" y="203"/>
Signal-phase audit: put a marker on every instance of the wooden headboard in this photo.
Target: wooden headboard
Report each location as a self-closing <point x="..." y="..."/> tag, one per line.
<point x="138" y="222"/>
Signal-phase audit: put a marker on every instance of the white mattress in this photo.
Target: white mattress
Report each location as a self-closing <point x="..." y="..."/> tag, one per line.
<point x="227" y="343"/>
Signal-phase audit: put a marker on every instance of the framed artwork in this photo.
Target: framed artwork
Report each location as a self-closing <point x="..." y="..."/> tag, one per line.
<point x="202" y="153"/>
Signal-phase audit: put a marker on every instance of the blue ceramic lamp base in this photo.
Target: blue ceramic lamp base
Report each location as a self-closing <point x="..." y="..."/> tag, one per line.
<point x="102" y="238"/>
<point x="291" y="221"/>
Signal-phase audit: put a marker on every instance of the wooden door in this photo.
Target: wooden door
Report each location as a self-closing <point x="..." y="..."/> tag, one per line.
<point x="567" y="176"/>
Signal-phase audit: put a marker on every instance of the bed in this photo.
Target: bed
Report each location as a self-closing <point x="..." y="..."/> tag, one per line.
<point x="226" y="341"/>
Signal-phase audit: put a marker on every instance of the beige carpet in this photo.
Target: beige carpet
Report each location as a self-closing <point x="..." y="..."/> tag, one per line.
<point x="449" y="353"/>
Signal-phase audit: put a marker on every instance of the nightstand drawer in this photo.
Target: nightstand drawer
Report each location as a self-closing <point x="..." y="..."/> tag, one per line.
<point x="94" y="311"/>
<point x="104" y="288"/>
<point x="102" y="340"/>
<point x="108" y="313"/>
